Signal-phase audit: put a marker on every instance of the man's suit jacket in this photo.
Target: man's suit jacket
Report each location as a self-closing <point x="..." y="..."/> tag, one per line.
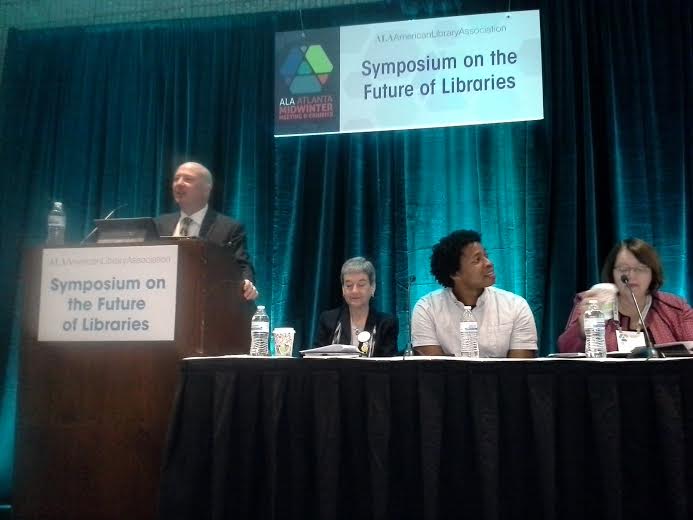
<point x="385" y="337"/>
<point x="218" y="229"/>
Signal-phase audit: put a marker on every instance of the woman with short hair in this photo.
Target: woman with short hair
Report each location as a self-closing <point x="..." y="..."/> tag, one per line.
<point x="344" y="324"/>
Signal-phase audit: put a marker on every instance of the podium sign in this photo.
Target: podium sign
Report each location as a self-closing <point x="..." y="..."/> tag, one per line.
<point x="94" y="400"/>
<point x="108" y="294"/>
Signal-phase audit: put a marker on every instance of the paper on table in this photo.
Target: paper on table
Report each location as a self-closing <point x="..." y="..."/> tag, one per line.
<point x="332" y="350"/>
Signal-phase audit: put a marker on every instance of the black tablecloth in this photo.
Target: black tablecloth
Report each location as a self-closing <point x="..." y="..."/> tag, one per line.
<point x="427" y="439"/>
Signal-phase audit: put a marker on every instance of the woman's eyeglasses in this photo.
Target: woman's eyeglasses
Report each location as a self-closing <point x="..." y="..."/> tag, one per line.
<point x="634" y="270"/>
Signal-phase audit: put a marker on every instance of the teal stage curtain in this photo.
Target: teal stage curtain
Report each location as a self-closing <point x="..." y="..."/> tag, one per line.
<point x="97" y="117"/>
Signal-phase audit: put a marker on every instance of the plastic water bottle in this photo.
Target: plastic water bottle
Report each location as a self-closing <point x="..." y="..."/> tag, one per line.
<point x="595" y="342"/>
<point x="469" y="334"/>
<point x="56" y="225"/>
<point x="259" y="333"/>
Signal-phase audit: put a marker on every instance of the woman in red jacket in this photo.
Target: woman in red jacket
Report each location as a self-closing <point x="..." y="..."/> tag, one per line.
<point x="667" y="317"/>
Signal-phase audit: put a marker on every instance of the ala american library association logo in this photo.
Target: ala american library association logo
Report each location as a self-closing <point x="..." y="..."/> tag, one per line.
<point x="307" y="82"/>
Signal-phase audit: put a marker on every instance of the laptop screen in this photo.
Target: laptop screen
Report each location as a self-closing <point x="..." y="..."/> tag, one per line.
<point x="125" y="230"/>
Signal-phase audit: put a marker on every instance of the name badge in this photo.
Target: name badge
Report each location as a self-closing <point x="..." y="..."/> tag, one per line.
<point x="628" y="339"/>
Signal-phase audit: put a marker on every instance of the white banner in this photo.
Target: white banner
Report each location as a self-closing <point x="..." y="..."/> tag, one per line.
<point x="437" y="72"/>
<point x="108" y="294"/>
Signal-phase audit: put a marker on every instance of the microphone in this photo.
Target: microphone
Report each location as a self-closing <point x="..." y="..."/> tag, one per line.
<point x="648" y="350"/>
<point x="110" y="214"/>
<point x="371" y="342"/>
<point x="337" y="333"/>
<point x="410" y="349"/>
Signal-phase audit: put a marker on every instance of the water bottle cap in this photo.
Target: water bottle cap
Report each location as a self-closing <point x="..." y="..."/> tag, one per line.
<point x="58" y="205"/>
<point x="596" y="302"/>
<point x="260" y="307"/>
<point x="468" y="307"/>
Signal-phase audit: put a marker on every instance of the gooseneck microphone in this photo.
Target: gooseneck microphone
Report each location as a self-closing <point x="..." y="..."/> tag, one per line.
<point x="410" y="349"/>
<point x="371" y="346"/>
<point x="648" y="350"/>
<point x="110" y="214"/>
<point x="338" y="330"/>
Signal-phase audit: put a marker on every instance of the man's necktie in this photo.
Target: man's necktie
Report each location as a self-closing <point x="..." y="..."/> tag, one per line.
<point x="184" y="225"/>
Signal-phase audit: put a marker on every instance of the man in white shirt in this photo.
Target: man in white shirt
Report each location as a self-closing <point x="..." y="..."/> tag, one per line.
<point x="461" y="266"/>
<point x="192" y="186"/>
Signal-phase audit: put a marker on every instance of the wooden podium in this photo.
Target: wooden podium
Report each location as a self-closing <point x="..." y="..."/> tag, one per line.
<point x="92" y="417"/>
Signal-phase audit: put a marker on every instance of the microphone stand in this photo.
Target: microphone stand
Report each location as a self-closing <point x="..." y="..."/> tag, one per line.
<point x="409" y="349"/>
<point x="371" y="342"/>
<point x="648" y="351"/>
<point x="110" y="214"/>
<point x="338" y="329"/>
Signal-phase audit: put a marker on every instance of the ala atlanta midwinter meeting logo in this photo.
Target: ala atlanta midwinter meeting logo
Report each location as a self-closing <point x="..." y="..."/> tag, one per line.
<point x="307" y="82"/>
<point x="306" y="69"/>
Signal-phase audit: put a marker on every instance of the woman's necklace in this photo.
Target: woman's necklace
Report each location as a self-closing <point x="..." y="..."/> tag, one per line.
<point x="633" y="316"/>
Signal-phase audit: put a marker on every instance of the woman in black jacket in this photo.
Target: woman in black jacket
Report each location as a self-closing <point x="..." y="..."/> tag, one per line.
<point x="344" y="324"/>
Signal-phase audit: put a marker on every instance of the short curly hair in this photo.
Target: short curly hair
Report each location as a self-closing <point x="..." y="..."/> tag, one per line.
<point x="445" y="260"/>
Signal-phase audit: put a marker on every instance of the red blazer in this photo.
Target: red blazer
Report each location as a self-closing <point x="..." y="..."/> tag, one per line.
<point x="669" y="319"/>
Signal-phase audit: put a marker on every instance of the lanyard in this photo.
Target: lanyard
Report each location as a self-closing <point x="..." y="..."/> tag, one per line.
<point x="645" y="310"/>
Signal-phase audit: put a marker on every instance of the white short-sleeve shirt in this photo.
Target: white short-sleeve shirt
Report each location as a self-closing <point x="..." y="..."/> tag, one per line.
<point x="505" y="322"/>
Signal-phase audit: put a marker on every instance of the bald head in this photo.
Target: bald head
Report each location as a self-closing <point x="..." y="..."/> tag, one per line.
<point x="192" y="185"/>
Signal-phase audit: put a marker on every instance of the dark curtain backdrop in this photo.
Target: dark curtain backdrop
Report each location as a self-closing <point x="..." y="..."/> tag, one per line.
<point x="100" y="116"/>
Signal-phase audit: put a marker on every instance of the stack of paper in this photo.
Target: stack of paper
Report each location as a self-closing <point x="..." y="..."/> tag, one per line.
<point x="332" y="351"/>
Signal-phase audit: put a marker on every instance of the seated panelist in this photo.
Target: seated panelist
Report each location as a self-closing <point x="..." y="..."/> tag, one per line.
<point x="344" y="324"/>
<point x="506" y="324"/>
<point x="668" y="318"/>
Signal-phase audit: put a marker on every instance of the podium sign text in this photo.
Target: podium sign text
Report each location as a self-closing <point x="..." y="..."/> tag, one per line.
<point x="108" y="294"/>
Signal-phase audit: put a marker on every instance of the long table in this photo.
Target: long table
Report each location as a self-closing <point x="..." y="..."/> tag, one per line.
<point x="430" y="439"/>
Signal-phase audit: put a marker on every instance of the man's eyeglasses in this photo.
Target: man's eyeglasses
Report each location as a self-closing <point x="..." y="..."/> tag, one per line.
<point x="634" y="270"/>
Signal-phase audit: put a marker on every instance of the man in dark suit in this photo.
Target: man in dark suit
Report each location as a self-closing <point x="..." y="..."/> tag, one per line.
<point x="192" y="185"/>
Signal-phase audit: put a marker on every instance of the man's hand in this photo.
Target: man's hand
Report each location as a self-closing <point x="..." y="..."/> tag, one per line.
<point x="249" y="290"/>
